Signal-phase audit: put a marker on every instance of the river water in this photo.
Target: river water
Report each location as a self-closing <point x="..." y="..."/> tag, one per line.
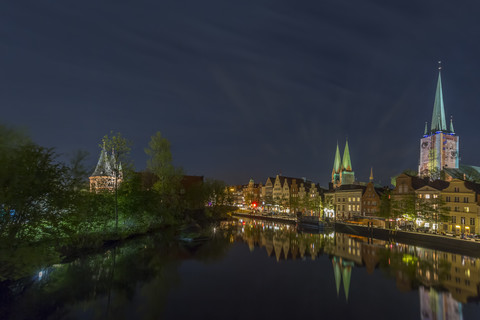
<point x="251" y="269"/>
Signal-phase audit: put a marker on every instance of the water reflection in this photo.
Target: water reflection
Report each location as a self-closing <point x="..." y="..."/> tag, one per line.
<point x="444" y="280"/>
<point x="155" y="276"/>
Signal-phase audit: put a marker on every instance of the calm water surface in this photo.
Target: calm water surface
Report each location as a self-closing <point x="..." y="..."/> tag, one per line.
<point x="251" y="270"/>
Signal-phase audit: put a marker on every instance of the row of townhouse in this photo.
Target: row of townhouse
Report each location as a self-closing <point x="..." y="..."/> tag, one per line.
<point x="353" y="200"/>
<point x="280" y="194"/>
<point x="460" y="200"/>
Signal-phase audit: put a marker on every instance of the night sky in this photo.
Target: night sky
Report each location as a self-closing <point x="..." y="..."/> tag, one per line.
<point x="243" y="89"/>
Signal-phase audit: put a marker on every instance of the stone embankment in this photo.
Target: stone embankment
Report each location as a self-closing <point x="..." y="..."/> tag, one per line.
<point x="425" y="240"/>
<point x="274" y="218"/>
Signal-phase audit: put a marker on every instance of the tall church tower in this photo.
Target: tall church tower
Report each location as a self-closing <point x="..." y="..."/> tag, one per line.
<point x="439" y="145"/>
<point x="342" y="172"/>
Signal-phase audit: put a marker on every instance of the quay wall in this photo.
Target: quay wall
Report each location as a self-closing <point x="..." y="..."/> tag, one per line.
<point x="266" y="218"/>
<point x="430" y="241"/>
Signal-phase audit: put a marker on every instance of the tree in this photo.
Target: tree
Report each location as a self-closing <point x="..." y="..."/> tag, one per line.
<point x="386" y="205"/>
<point x="432" y="210"/>
<point x="35" y="192"/>
<point x="405" y="206"/>
<point x="160" y="164"/>
<point x="121" y="148"/>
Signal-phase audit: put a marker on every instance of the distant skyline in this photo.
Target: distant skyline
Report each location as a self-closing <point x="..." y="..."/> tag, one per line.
<point x="243" y="90"/>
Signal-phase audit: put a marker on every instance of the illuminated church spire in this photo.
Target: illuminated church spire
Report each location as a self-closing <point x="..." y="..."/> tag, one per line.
<point x="346" y="163"/>
<point x="336" y="163"/>
<point x="439" y="146"/>
<point x="438" y="116"/>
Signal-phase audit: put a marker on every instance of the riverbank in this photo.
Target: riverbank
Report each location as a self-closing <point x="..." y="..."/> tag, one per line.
<point x="274" y="218"/>
<point x="430" y="241"/>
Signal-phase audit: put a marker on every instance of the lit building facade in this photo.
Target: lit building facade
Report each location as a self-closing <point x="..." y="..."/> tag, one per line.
<point x="103" y="178"/>
<point x="439" y="145"/>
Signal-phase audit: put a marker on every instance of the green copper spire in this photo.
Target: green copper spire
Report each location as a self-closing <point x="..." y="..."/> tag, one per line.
<point x="451" y="125"/>
<point x="346" y="163"/>
<point x="336" y="163"/>
<point x="438" y="117"/>
<point x="337" y="274"/>
<point x="426" y="129"/>
<point x="347" y="275"/>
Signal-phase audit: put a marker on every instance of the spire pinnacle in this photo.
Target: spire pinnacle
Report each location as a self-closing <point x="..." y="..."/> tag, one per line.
<point x="336" y="163"/>
<point x="371" y="174"/>
<point x="451" y="125"/>
<point x="438" y="116"/>
<point x="426" y="129"/>
<point x="346" y="162"/>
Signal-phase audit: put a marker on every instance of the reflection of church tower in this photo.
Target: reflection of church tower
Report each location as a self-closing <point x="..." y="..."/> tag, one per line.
<point x="342" y="269"/>
<point x="439" y="146"/>
<point x="347" y="274"/>
<point x="342" y="172"/>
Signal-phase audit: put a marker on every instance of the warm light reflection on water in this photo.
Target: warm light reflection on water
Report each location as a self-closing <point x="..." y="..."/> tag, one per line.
<point x="277" y="271"/>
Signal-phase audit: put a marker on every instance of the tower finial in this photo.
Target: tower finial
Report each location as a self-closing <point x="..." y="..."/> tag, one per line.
<point x="371" y="174"/>
<point x="451" y="125"/>
<point x="439" y="65"/>
<point x="426" y="129"/>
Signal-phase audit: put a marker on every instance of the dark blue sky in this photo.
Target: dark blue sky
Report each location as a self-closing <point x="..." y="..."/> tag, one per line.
<point x="243" y="89"/>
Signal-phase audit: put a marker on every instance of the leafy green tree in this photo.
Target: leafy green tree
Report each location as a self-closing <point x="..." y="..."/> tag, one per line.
<point x="294" y="203"/>
<point x="405" y="206"/>
<point x="121" y="148"/>
<point x="35" y="192"/>
<point x="169" y="177"/>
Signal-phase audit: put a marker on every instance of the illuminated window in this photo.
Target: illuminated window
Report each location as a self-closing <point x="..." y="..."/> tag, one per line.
<point x="349" y="199"/>
<point x="427" y="196"/>
<point x="349" y="207"/>
<point x="358" y="199"/>
<point x="466" y="209"/>
<point x="435" y="196"/>
<point x="420" y="196"/>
